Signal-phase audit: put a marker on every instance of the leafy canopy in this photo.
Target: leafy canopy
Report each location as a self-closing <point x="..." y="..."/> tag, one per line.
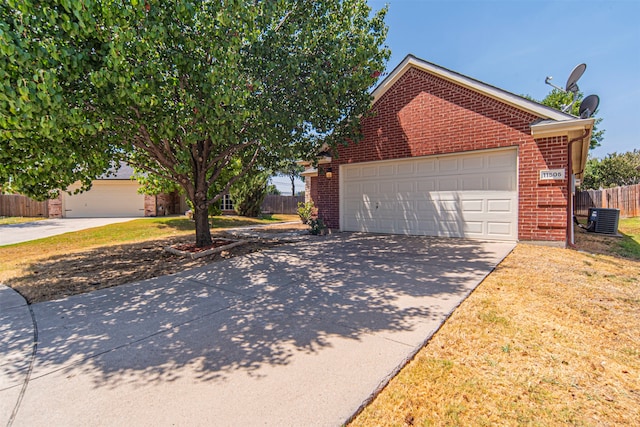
<point x="180" y="89"/>
<point x="615" y="170"/>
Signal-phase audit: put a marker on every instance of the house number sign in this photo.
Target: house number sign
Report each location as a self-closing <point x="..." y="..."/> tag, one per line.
<point x="551" y="174"/>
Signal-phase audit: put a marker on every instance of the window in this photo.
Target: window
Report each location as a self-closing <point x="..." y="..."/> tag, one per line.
<point x="227" y="203"/>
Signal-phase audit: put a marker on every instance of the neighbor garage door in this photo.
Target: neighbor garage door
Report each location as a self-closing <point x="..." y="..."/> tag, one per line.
<point x="466" y="195"/>
<point x="107" y="198"/>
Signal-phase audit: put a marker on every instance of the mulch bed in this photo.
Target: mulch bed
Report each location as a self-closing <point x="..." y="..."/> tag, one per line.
<point x="105" y="267"/>
<point x="191" y="247"/>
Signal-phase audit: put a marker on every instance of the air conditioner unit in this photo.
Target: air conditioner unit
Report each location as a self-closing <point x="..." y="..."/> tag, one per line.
<point x="603" y="220"/>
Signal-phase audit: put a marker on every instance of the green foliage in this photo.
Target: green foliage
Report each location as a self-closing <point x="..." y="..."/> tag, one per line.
<point x="272" y="189"/>
<point x="307" y="212"/>
<point x="629" y="246"/>
<point x="612" y="171"/>
<point x="317" y="226"/>
<point x="558" y="99"/>
<point x="292" y="170"/>
<point x="180" y="89"/>
<point x="248" y="193"/>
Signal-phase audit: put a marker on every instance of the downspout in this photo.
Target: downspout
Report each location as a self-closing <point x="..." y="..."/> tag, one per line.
<point x="570" y="214"/>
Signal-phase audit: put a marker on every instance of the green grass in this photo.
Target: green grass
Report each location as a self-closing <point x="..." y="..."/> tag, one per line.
<point x="629" y="246"/>
<point x="8" y="220"/>
<point x="14" y="257"/>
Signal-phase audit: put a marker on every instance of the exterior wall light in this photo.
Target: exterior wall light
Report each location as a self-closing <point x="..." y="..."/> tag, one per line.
<point x="329" y="173"/>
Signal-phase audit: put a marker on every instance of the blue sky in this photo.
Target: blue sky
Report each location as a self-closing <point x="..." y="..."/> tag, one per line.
<point x="515" y="44"/>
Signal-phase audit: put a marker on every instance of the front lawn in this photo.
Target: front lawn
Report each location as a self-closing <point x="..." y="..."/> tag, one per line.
<point x="90" y="259"/>
<point x="551" y="337"/>
<point x="8" y="220"/>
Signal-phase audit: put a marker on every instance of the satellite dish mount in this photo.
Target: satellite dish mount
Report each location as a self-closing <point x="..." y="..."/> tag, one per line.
<point x="571" y="86"/>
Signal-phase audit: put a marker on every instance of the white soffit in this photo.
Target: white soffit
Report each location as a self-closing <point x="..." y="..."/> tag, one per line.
<point x="310" y="172"/>
<point x="475" y="85"/>
<point x="548" y="128"/>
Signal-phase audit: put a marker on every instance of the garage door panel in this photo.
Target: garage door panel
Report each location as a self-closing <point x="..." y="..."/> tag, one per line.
<point x="500" y="206"/>
<point x="386" y="170"/>
<point x="369" y="171"/>
<point x="474" y="227"/>
<point x="108" y="198"/>
<point x="499" y="229"/>
<point x="500" y="160"/>
<point x="406" y="187"/>
<point x="427" y="206"/>
<point x="473" y="182"/>
<point x="352" y="173"/>
<point x="472" y="195"/>
<point x="473" y="206"/>
<point x="472" y="164"/>
<point x="405" y="169"/>
<point x="426" y="185"/>
<point x="448" y="165"/>
<point x="426" y="167"/>
<point x="448" y="184"/>
<point x="501" y="181"/>
<point x="370" y="188"/>
<point x="352" y="189"/>
<point x="450" y="206"/>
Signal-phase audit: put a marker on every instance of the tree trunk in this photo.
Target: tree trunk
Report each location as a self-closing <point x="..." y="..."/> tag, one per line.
<point x="203" y="233"/>
<point x="293" y="185"/>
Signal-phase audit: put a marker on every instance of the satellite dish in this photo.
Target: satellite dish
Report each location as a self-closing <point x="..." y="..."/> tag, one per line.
<point x="572" y="84"/>
<point x="588" y="106"/>
<point x="572" y="81"/>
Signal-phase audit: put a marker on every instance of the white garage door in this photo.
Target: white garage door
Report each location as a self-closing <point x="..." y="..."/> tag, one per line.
<point x="107" y="198"/>
<point x="466" y="195"/>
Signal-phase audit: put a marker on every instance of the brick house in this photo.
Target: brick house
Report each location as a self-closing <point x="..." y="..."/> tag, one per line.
<point x="446" y="155"/>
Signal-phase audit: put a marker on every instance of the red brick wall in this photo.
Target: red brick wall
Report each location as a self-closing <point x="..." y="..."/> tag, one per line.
<point x="423" y="115"/>
<point x="54" y="207"/>
<point x="150" y="205"/>
<point x="543" y="204"/>
<point x="164" y="204"/>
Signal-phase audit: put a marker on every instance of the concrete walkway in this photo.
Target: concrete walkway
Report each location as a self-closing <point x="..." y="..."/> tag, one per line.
<point x="299" y="335"/>
<point x="24" y="232"/>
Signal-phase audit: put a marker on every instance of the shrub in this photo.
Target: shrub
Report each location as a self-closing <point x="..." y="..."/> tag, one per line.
<point x="317" y="226"/>
<point x="307" y="212"/>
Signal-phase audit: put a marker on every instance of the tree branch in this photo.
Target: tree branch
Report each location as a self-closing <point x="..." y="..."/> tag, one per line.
<point x="235" y="178"/>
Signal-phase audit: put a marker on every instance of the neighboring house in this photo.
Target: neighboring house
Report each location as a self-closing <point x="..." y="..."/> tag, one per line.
<point x="115" y="195"/>
<point x="447" y="155"/>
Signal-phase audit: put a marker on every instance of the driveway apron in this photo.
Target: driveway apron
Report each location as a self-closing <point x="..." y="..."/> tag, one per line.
<point x="301" y="334"/>
<point x="24" y="232"/>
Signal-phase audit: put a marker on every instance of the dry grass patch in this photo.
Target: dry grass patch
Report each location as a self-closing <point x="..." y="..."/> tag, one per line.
<point x="8" y="220"/>
<point x="87" y="260"/>
<point x="552" y="337"/>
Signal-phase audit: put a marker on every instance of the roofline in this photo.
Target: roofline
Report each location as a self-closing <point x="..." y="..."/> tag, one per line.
<point x="501" y="95"/>
<point x="545" y="129"/>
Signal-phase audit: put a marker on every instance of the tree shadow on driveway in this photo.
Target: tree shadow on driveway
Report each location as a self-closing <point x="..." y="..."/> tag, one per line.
<point x="263" y="309"/>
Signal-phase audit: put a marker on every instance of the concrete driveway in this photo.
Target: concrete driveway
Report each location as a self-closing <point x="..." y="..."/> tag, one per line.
<point x="302" y="334"/>
<point x="18" y="233"/>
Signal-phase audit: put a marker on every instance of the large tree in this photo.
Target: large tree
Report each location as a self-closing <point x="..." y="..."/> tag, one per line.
<point x="180" y="89"/>
<point x="612" y="171"/>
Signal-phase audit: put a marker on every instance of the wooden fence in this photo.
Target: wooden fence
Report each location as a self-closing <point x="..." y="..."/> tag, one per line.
<point x="17" y="205"/>
<point x="627" y="199"/>
<point x="281" y="204"/>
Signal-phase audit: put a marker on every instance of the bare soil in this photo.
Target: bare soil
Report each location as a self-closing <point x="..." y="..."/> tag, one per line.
<point x="105" y="267"/>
